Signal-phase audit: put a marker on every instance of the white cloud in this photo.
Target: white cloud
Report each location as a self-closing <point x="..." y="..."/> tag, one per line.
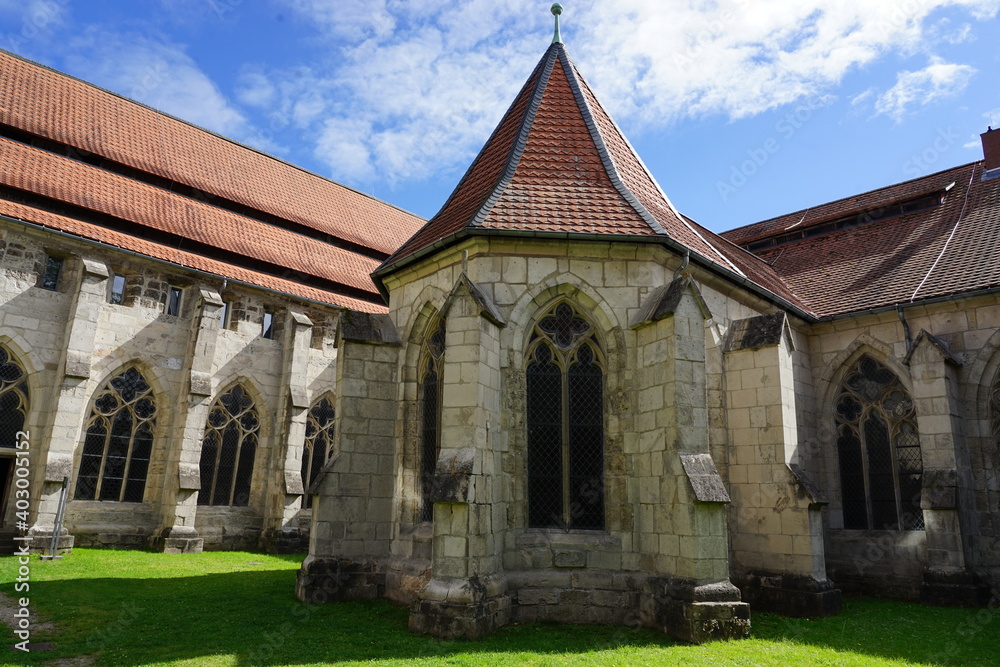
<point x="937" y="81"/>
<point x="431" y="78"/>
<point x="156" y="73"/>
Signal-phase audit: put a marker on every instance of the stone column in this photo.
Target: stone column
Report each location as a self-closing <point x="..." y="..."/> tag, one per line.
<point x="946" y="497"/>
<point x="70" y="406"/>
<point x="777" y="528"/>
<point x="182" y="481"/>
<point x="681" y="500"/>
<point x="467" y="593"/>
<point x="284" y="486"/>
<point x="352" y="521"/>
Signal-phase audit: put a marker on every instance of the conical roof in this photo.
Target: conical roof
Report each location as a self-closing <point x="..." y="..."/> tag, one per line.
<point x="557" y="164"/>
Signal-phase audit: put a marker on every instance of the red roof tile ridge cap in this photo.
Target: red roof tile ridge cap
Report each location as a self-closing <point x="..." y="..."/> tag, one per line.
<point x="575" y="78"/>
<point x="817" y="221"/>
<point x="517" y="148"/>
<point x="169" y="116"/>
<point x="399" y="253"/>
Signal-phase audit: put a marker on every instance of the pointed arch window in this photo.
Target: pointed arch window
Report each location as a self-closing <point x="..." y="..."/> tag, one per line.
<point x="13" y="397"/>
<point x="228" y="449"/>
<point x="318" y="445"/>
<point x="118" y="441"/>
<point x="431" y="374"/>
<point x="565" y="421"/>
<point x="879" y="451"/>
<point x="995" y="410"/>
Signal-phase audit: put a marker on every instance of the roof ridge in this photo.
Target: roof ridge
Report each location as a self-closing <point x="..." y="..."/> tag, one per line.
<point x="573" y="77"/>
<point x="845" y="198"/>
<point x="167" y="115"/>
<point x="517" y="148"/>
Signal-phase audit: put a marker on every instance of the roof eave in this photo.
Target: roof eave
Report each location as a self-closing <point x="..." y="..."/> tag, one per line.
<point x="386" y="270"/>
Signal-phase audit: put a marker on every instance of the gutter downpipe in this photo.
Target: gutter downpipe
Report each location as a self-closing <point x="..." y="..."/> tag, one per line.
<point x="906" y="327"/>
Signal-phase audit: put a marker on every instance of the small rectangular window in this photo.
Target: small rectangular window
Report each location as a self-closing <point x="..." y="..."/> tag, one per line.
<point x="117" y="294"/>
<point x="224" y="319"/>
<point x="267" y="330"/>
<point x="53" y="267"/>
<point x="174" y="300"/>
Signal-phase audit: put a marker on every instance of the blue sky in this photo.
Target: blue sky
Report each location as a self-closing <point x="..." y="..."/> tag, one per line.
<point x="742" y="109"/>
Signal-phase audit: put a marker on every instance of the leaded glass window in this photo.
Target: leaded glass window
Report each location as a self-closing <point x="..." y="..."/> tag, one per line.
<point x="431" y="373"/>
<point x="879" y="451"/>
<point x="565" y="420"/>
<point x="319" y="444"/>
<point x="13" y="398"/>
<point x="228" y="449"/>
<point x="118" y="441"/>
<point x="995" y="410"/>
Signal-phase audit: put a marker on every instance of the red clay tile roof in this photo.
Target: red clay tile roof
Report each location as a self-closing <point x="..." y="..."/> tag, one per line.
<point x="264" y="215"/>
<point x="943" y="250"/>
<point x="557" y="162"/>
<point x="180" y="257"/>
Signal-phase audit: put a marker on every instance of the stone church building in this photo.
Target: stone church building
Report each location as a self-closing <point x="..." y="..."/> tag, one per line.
<point x="557" y="399"/>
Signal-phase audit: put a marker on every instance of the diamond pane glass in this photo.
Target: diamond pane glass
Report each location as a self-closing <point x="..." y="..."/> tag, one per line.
<point x="118" y="442"/>
<point x="318" y="445"/>
<point x="878" y="450"/>
<point x="565" y="423"/>
<point x="228" y="450"/>
<point x="432" y="364"/>
<point x="13" y="398"/>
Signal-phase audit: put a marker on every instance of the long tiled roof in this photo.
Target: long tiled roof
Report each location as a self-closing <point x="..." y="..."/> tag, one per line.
<point x="72" y="151"/>
<point x="934" y="236"/>
<point x="558" y="163"/>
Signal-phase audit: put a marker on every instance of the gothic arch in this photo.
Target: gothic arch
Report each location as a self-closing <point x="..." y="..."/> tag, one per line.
<point x="231" y="449"/>
<point x="319" y="444"/>
<point x="123" y="427"/>
<point x="829" y="385"/>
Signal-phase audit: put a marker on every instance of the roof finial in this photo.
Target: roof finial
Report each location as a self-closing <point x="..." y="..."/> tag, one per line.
<point x="556" y="11"/>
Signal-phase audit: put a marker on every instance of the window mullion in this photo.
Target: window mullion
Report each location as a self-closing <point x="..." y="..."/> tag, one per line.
<point x="128" y="454"/>
<point x="104" y="458"/>
<point x="236" y="465"/>
<point x="864" y="468"/>
<point x="564" y="386"/>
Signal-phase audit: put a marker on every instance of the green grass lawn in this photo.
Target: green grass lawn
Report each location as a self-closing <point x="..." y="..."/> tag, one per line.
<point x="137" y="608"/>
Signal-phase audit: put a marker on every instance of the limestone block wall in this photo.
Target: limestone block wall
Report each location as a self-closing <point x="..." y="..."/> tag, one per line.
<point x="73" y="339"/>
<point x="579" y="575"/>
<point x="894" y="562"/>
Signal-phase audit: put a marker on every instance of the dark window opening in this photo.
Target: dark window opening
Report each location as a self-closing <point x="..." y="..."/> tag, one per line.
<point x="174" y="295"/>
<point x="118" y="442"/>
<point x="318" y="445"/>
<point x="117" y="293"/>
<point x="224" y="315"/>
<point x="565" y="423"/>
<point x="228" y="449"/>
<point x="432" y="365"/>
<point x="878" y="451"/>
<point x="267" y="326"/>
<point x="53" y="268"/>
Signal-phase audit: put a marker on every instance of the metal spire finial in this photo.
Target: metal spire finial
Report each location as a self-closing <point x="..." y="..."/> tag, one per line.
<point x="556" y="11"/>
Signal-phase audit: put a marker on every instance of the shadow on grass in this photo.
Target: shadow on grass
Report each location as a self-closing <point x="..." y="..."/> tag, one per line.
<point x="255" y="617"/>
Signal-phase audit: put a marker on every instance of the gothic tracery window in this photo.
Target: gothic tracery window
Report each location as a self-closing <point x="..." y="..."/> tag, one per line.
<point x="565" y="422"/>
<point x="228" y="449"/>
<point x="318" y="445"/>
<point x="431" y="374"/>
<point x="118" y="441"/>
<point x="13" y="398"/>
<point x="995" y="409"/>
<point x="879" y="451"/>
